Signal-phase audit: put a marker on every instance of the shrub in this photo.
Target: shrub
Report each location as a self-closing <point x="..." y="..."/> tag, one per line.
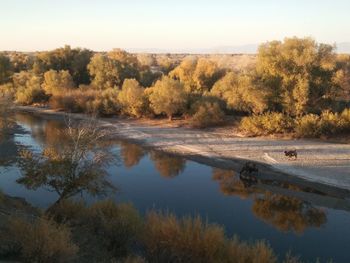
<point x="207" y="112"/>
<point x="115" y="225"/>
<point x="42" y="240"/>
<point x="168" y="239"/>
<point x="30" y="95"/>
<point x="132" y="98"/>
<point x="267" y="123"/>
<point x="327" y="124"/>
<point x="87" y="101"/>
<point x="168" y="97"/>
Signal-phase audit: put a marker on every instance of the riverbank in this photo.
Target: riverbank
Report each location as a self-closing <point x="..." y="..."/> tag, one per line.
<point x="321" y="165"/>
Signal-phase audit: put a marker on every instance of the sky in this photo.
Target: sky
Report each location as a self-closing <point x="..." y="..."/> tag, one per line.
<point x="29" y="25"/>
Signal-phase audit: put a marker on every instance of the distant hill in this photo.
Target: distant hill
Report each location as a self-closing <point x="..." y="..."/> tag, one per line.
<point x="343" y="47"/>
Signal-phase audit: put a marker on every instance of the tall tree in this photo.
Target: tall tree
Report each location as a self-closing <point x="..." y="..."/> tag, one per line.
<point x="168" y="96"/>
<point x="5" y="69"/>
<point x="297" y="74"/>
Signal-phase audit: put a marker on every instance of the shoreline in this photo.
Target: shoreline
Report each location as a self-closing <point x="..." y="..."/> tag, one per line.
<point x="210" y="149"/>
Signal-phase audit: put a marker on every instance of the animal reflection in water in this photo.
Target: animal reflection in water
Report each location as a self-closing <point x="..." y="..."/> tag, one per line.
<point x="248" y="174"/>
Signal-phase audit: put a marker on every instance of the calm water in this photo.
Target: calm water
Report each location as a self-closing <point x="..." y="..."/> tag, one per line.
<point x="308" y="227"/>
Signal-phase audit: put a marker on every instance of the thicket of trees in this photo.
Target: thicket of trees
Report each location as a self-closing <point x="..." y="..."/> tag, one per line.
<point x="293" y="78"/>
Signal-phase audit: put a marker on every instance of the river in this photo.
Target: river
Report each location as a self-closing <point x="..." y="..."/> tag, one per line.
<point x="306" y="222"/>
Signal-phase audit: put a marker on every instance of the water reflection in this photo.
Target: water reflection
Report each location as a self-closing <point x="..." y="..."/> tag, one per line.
<point x="168" y="165"/>
<point x="231" y="184"/>
<point x="78" y="165"/>
<point x="9" y="147"/>
<point x="283" y="212"/>
<point x="131" y="154"/>
<point x="287" y="213"/>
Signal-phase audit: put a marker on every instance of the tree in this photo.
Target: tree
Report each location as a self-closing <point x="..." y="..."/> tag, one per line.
<point x="207" y="111"/>
<point x="168" y="96"/>
<point x="129" y="65"/>
<point x="240" y="93"/>
<point x="5" y="69"/>
<point x="66" y="58"/>
<point x="132" y="98"/>
<point x="77" y="166"/>
<point x="28" y="88"/>
<point x="104" y="72"/>
<point x="198" y="75"/>
<point x="57" y="81"/>
<point x="297" y="74"/>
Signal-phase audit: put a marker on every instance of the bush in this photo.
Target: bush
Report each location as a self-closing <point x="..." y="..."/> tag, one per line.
<point x="42" y="240"/>
<point x="167" y="96"/>
<point x="327" y="124"/>
<point x="132" y="98"/>
<point x="87" y="101"/>
<point x="168" y="239"/>
<point x="30" y="95"/>
<point x="267" y="123"/>
<point x="115" y="225"/>
<point x="207" y="112"/>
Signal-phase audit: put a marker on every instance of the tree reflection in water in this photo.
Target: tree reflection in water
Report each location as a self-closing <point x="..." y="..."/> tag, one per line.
<point x="131" y="154"/>
<point x="168" y="165"/>
<point x="287" y="213"/>
<point x="78" y="165"/>
<point x="283" y="212"/>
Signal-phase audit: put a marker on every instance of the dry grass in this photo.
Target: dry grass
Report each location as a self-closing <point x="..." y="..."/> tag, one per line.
<point x="42" y="240"/>
<point x="168" y="239"/>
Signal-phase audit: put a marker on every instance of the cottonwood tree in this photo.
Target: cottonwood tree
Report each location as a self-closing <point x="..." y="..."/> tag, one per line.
<point x="5" y="69"/>
<point x="198" y="75"/>
<point x="75" y="60"/>
<point x="132" y="98"/>
<point x="240" y="93"/>
<point x="168" y="97"/>
<point x="57" y="81"/>
<point x="297" y="74"/>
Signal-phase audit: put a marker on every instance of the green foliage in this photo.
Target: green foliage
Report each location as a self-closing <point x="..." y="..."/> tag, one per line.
<point x="267" y="123"/>
<point x="28" y="88"/>
<point x="87" y="100"/>
<point x="57" y="81"/>
<point x="310" y="125"/>
<point x="168" y="239"/>
<point x="207" y="112"/>
<point x="198" y="75"/>
<point x="104" y="71"/>
<point x="113" y="228"/>
<point x="5" y="69"/>
<point x="42" y="240"/>
<point x="74" y="60"/>
<point x="327" y="124"/>
<point x="240" y="93"/>
<point x="168" y="97"/>
<point x="132" y="98"/>
<point x="297" y="74"/>
<point x="117" y="226"/>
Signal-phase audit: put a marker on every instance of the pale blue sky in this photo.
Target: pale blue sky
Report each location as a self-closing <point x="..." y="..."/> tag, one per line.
<point x="169" y="25"/>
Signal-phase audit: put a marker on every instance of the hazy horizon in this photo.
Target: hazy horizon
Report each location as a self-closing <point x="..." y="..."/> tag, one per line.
<point x="161" y="25"/>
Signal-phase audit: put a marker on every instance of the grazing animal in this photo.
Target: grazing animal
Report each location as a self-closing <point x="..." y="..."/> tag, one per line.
<point x="246" y="173"/>
<point x="291" y="154"/>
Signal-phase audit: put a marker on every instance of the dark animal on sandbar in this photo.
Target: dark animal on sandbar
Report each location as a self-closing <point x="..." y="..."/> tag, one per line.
<point x="291" y="154"/>
<point x="246" y="173"/>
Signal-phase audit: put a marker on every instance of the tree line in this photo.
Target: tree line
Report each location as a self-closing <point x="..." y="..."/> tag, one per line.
<point x="296" y="84"/>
